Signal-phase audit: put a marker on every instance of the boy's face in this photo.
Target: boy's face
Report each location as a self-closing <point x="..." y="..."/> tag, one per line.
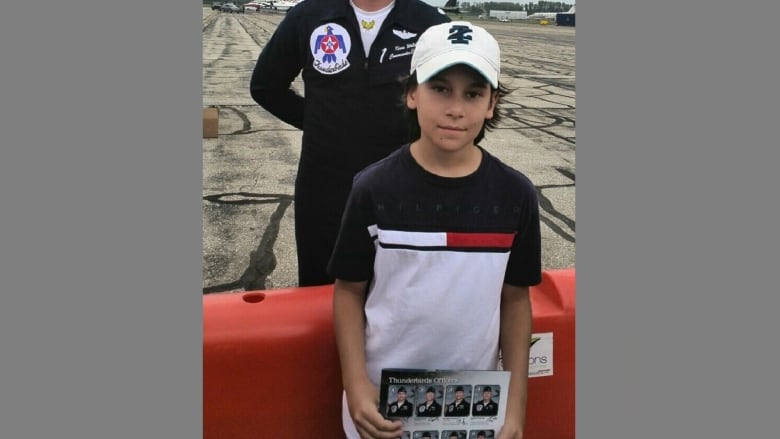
<point x="452" y="108"/>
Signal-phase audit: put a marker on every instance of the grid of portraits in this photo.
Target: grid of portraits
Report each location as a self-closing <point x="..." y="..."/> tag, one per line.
<point x="434" y="401"/>
<point x="449" y="434"/>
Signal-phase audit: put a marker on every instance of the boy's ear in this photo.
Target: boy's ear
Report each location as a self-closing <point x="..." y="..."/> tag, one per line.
<point x="411" y="99"/>
<point x="492" y="106"/>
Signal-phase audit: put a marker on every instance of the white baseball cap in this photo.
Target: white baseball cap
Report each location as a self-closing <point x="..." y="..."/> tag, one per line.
<point x="456" y="42"/>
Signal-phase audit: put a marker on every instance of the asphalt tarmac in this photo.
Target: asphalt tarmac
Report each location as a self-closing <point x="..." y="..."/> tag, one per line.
<point x="249" y="169"/>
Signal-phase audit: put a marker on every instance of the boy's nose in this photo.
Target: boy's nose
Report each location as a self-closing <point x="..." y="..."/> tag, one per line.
<point x="455" y="108"/>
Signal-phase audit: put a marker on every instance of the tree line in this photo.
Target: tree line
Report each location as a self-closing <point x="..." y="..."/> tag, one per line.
<point x="478" y="8"/>
<point x="530" y="8"/>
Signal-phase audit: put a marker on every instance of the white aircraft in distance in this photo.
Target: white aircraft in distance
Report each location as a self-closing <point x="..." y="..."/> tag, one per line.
<point x="282" y="5"/>
<point x="548" y="15"/>
<point x="542" y="15"/>
<point x="253" y="6"/>
<point x="276" y="5"/>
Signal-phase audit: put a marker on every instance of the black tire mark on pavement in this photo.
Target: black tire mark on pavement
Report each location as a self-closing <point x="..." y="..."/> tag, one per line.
<point x="521" y="115"/>
<point x="221" y="288"/>
<point x="253" y="35"/>
<point x="246" y="124"/>
<point x="529" y="116"/>
<point x="567" y="173"/>
<point x="262" y="261"/>
<point x="558" y="120"/>
<point x="259" y="198"/>
<point x="565" y="85"/>
<point x="558" y="231"/>
<point x="547" y="206"/>
<point x="208" y="21"/>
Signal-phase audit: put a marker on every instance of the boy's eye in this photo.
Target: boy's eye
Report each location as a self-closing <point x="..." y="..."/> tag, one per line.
<point x="475" y="94"/>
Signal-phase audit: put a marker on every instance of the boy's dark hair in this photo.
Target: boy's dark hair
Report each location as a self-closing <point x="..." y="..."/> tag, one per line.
<point x="410" y="82"/>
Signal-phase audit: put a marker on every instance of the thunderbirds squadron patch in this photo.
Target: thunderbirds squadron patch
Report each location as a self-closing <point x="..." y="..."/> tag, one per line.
<point x="330" y="45"/>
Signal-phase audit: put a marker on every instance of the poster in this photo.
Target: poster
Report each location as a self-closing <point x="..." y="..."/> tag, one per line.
<point x="445" y="404"/>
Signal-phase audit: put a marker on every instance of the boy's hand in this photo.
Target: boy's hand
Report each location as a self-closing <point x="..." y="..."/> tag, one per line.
<point x="368" y="421"/>
<point x="511" y="430"/>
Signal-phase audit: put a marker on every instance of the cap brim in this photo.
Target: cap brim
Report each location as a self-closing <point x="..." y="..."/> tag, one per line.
<point x="431" y="67"/>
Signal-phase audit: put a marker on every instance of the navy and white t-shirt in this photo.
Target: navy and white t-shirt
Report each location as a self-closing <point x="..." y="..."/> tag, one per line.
<point x="436" y="252"/>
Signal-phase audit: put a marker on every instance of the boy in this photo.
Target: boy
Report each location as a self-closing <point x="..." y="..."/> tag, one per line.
<point x="438" y="225"/>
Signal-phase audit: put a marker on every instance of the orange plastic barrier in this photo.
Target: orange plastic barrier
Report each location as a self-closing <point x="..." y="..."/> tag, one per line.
<point x="550" y="407"/>
<point x="270" y="366"/>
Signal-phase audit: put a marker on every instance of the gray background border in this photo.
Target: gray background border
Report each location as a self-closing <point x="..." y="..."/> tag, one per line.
<point x="100" y="311"/>
<point x="677" y="253"/>
<point x="676" y="219"/>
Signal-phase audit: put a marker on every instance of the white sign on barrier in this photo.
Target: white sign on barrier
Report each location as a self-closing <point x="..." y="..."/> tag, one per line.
<point x="540" y="358"/>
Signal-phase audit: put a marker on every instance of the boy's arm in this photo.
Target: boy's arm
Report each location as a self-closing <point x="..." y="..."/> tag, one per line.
<point x="514" y="341"/>
<point x="362" y="395"/>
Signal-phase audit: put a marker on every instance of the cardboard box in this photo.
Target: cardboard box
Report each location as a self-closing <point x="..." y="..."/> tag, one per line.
<point x="210" y="122"/>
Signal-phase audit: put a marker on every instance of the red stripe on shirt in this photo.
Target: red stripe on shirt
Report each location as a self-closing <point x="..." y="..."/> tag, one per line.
<point x="503" y="240"/>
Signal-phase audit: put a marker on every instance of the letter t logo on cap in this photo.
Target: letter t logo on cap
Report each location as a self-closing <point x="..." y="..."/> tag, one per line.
<point x="458" y="34"/>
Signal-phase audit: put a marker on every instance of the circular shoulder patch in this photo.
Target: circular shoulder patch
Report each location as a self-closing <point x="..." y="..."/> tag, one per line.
<point x="330" y="45"/>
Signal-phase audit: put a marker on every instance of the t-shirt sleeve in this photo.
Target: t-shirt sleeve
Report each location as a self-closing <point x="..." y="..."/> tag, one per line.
<point x="525" y="261"/>
<point x="353" y="254"/>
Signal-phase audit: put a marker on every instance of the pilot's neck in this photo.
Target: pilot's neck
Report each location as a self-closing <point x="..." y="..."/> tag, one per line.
<point x="371" y="5"/>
